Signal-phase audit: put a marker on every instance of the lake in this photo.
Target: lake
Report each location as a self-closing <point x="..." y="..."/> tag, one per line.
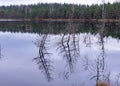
<point x="59" y="53"/>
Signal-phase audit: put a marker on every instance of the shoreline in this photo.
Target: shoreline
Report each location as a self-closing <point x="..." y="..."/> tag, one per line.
<point x="62" y="20"/>
<point x="17" y="20"/>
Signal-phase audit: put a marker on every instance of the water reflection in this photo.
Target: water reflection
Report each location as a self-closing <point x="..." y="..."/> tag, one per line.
<point x="60" y="27"/>
<point x="43" y="59"/>
<point x="0" y="52"/>
<point x="97" y="66"/>
<point x="76" y="49"/>
<point x="68" y="46"/>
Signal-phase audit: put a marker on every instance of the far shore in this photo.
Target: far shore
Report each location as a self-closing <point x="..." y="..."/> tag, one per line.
<point x="63" y="20"/>
<point x="14" y="20"/>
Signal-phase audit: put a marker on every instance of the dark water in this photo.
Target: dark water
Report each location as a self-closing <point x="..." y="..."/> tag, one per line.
<point x="59" y="53"/>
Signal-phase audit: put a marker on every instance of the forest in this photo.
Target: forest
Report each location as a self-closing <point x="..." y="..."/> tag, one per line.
<point x="60" y="11"/>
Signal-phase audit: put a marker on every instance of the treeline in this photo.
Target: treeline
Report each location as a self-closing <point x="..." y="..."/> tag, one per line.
<point x="60" y="11"/>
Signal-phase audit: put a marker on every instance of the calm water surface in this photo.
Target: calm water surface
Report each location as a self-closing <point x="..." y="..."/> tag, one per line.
<point x="39" y="59"/>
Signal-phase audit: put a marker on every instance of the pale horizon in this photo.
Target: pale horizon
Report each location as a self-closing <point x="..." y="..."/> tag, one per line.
<point x="85" y="2"/>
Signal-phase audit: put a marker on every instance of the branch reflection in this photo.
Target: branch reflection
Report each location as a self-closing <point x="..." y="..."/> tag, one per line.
<point x="43" y="59"/>
<point x="97" y="68"/>
<point x="69" y="48"/>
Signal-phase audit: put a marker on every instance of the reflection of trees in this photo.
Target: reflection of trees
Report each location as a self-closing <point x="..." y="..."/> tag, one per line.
<point x="87" y="40"/>
<point x="97" y="68"/>
<point x="69" y="48"/>
<point x="100" y="61"/>
<point x="101" y="44"/>
<point x="43" y="58"/>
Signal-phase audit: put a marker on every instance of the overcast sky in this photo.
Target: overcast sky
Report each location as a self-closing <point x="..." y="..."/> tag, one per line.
<point x="8" y="2"/>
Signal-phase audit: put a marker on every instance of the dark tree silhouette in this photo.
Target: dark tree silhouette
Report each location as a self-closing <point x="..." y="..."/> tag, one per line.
<point x="43" y="59"/>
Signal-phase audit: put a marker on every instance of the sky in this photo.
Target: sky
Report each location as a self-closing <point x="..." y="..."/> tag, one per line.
<point x="19" y="2"/>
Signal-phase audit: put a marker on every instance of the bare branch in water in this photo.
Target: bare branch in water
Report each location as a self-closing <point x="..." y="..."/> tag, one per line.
<point x="43" y="59"/>
<point x="69" y="48"/>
